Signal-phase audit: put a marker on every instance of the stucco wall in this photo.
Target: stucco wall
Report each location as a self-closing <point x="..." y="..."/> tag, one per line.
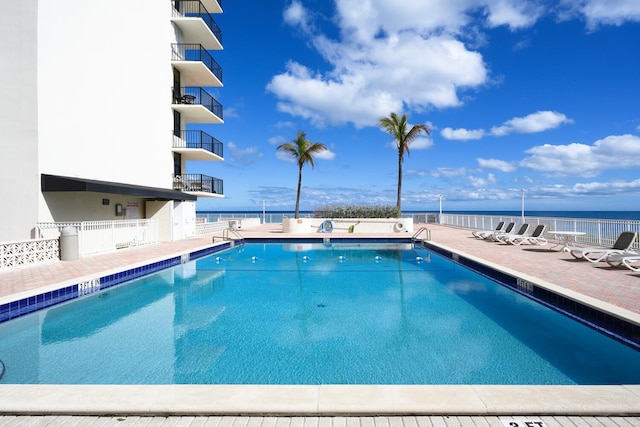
<point x="104" y="86"/>
<point x="18" y="119"/>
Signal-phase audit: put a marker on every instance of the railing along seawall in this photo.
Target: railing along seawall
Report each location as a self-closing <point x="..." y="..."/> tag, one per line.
<point x="597" y="232"/>
<point x="276" y="218"/>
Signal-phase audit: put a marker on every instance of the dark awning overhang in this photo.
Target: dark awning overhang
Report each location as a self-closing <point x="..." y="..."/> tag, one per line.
<point x="52" y="183"/>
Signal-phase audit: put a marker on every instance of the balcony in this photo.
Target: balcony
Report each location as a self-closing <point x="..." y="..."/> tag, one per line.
<point x="197" y="145"/>
<point x="203" y="185"/>
<point x="196" y="65"/>
<point x="196" y="105"/>
<point x="196" y="23"/>
<point x="213" y="6"/>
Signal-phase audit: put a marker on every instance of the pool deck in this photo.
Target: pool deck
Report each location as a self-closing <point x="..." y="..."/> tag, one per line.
<point x="614" y="290"/>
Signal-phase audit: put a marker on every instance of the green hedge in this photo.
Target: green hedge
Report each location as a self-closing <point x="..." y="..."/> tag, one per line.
<point x="356" y="212"/>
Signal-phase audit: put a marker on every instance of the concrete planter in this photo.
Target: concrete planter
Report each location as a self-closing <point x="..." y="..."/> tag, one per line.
<point x="347" y="225"/>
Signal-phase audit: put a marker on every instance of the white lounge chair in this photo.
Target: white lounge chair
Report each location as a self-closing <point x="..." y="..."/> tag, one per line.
<point x="596" y="254"/>
<point x="536" y="238"/>
<point x="522" y="231"/>
<point x="617" y="260"/>
<point x="494" y="235"/>
<point x="483" y="234"/>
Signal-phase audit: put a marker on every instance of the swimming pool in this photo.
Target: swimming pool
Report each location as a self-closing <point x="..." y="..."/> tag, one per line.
<point x="310" y="313"/>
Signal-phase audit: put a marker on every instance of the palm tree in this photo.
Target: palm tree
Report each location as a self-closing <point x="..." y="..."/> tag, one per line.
<point x="302" y="150"/>
<point x="397" y="127"/>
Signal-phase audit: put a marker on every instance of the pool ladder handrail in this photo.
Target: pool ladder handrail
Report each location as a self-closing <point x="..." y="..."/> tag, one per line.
<point x="234" y="232"/>
<point x="416" y="238"/>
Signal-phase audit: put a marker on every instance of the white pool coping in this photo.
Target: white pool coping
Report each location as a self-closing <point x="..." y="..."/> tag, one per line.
<point x="319" y="400"/>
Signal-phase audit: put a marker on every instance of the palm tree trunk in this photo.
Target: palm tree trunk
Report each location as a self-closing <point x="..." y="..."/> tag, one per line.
<point x="399" y="200"/>
<point x="297" y="213"/>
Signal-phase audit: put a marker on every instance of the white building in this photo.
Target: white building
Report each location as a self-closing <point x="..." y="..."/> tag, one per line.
<point x="96" y="98"/>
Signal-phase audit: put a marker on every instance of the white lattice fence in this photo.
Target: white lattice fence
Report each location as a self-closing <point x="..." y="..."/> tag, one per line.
<point x="16" y="254"/>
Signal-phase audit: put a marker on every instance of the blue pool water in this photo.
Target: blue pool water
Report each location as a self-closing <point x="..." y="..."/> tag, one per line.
<point x="311" y="314"/>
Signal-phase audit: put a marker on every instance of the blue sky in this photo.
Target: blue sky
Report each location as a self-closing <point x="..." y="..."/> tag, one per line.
<point x="540" y="95"/>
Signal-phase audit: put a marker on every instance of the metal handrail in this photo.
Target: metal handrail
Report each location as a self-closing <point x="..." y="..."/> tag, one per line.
<point x="420" y="231"/>
<point x="226" y="231"/>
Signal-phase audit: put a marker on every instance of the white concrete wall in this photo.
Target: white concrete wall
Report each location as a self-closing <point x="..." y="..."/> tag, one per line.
<point x="104" y="87"/>
<point x="342" y="225"/>
<point x="163" y="212"/>
<point x="74" y="206"/>
<point x="86" y="92"/>
<point x="18" y="119"/>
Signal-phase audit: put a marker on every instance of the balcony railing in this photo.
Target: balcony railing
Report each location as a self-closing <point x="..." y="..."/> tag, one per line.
<point x="195" y="9"/>
<point x="198" y="139"/>
<point x="196" y="96"/>
<point x="197" y="182"/>
<point x="195" y="52"/>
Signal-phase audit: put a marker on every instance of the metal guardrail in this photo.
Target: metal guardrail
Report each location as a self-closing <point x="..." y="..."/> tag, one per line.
<point x="597" y="232"/>
<point x="197" y="139"/>
<point x="197" y="182"/>
<point x="276" y="218"/>
<point x="195" y="9"/>
<point x="195" y="52"/>
<point x="194" y="95"/>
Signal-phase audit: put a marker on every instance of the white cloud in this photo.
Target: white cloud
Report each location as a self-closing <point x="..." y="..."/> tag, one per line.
<point x="277" y="140"/>
<point x="281" y="155"/>
<point x="322" y="155"/>
<point x="449" y="172"/>
<point x="612" y="152"/>
<point x="296" y="15"/>
<point x="514" y="14"/>
<point x="241" y="155"/>
<point x="370" y="75"/>
<point x="284" y="125"/>
<point x="533" y="123"/>
<point x="603" y="12"/>
<point x="325" y="155"/>
<point x="478" y="182"/>
<point x="368" y="72"/>
<point x="462" y="134"/>
<point x="496" y="164"/>
<point x="589" y="189"/>
<point x="419" y="143"/>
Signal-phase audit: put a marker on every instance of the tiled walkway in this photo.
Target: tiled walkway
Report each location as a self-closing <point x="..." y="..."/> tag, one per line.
<point x="408" y="421"/>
